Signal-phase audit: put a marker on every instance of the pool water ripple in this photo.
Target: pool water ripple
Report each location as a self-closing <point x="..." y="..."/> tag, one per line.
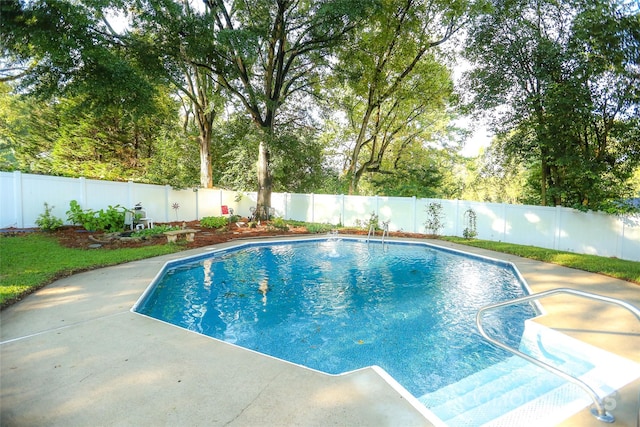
<point x="340" y="305"/>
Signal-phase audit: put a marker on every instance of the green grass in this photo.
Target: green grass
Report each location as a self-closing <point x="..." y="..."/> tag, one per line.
<point x="32" y="261"/>
<point x="613" y="267"/>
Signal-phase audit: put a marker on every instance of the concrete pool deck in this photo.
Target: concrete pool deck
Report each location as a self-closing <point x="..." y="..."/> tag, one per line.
<point x="72" y="354"/>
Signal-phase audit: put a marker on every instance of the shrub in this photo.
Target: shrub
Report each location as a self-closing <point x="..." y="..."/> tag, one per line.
<point x="318" y="228"/>
<point x="111" y="219"/>
<point x="214" y="222"/>
<point x="278" y="224"/>
<point x="48" y="222"/>
<point x="367" y="223"/>
<point x="155" y="231"/>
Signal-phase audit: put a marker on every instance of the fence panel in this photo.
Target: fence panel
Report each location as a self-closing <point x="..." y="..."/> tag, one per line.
<point x="327" y="208"/>
<point x="10" y="202"/>
<point x="588" y="234"/>
<point x="629" y="238"/>
<point x="358" y="210"/>
<point x="531" y="225"/>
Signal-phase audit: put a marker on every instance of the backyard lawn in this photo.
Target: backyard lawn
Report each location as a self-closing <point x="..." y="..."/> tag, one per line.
<point x="31" y="260"/>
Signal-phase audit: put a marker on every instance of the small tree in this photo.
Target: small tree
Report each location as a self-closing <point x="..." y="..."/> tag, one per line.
<point x="46" y="221"/>
<point x="470" y="231"/>
<point x="435" y="217"/>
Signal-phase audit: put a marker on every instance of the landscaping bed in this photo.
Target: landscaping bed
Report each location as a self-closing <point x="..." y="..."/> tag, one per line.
<point x="78" y="237"/>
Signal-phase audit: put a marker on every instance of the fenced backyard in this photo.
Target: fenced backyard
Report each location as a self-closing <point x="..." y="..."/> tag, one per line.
<point x="22" y="198"/>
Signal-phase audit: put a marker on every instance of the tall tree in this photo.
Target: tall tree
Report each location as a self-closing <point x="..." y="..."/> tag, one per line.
<point x="269" y="52"/>
<point x="174" y="41"/>
<point x="394" y="79"/>
<point x="64" y="48"/>
<point x="567" y="74"/>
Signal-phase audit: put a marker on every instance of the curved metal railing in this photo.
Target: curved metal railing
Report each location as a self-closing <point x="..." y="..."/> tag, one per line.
<point x="599" y="411"/>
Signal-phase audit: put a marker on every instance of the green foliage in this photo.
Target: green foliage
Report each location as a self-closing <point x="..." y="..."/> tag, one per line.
<point x="111" y="219"/>
<point x="278" y="224"/>
<point x="470" y="231"/>
<point x="435" y="218"/>
<point x="46" y="221"/>
<point x="369" y="222"/>
<point x="316" y="228"/>
<point x="559" y="89"/>
<point x="392" y="88"/>
<point x="154" y="231"/>
<point x="298" y="157"/>
<point x="214" y="222"/>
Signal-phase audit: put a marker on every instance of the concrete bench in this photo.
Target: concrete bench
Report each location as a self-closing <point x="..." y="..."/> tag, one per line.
<point x="172" y="236"/>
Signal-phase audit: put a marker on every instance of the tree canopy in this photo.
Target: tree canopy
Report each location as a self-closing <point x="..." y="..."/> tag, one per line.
<point x="350" y="96"/>
<point x="566" y="74"/>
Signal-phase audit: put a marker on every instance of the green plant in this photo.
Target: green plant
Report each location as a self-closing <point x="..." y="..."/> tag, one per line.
<point x="214" y="222"/>
<point x="470" y="231"/>
<point x="46" y="221"/>
<point x="318" y="228"/>
<point x="367" y="223"/>
<point x="434" y="222"/>
<point x="111" y="219"/>
<point x="278" y="224"/>
<point x="76" y="215"/>
<point x="155" y="231"/>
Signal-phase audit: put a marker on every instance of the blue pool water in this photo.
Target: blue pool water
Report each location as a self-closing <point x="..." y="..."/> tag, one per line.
<point x="337" y="305"/>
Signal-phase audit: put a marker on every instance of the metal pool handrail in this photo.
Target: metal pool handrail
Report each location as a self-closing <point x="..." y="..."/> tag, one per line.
<point x="599" y="411"/>
<point x="372" y="231"/>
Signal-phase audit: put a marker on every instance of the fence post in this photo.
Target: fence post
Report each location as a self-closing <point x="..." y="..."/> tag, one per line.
<point x="621" y="236"/>
<point x="286" y="205"/>
<point x="167" y="195"/>
<point x="83" y="192"/>
<point x="130" y="202"/>
<point x="195" y="190"/>
<point x="556" y="231"/>
<point x="17" y="199"/>
<point x="414" y="222"/>
<point x="457" y="224"/>
<point x="313" y="207"/>
<point x="504" y="222"/>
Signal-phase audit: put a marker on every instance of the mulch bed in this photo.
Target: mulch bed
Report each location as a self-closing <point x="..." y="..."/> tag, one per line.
<point x="78" y="237"/>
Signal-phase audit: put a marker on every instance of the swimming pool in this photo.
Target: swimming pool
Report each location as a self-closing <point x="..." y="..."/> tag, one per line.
<point x="336" y="305"/>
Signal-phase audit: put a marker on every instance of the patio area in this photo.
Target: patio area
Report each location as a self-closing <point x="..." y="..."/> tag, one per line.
<point x="72" y="354"/>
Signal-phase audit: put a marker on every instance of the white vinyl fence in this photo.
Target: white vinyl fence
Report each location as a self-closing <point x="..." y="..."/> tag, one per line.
<point x="22" y="198"/>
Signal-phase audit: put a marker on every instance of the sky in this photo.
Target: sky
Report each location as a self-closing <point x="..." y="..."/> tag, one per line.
<point x="480" y="138"/>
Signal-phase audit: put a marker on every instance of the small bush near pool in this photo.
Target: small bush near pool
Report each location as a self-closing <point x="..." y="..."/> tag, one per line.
<point x="213" y="222"/>
<point x="319" y="228"/>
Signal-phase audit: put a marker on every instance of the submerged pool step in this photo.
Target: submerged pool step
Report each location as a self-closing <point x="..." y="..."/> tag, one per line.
<point x="493" y="392"/>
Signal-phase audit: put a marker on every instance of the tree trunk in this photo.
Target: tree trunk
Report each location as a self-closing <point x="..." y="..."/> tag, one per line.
<point x="543" y="179"/>
<point x="354" y="176"/>
<point x="205" y="125"/>
<point x="264" y="182"/>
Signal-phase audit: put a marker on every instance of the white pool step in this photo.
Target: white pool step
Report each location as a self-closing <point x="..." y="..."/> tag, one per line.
<point x="491" y="393"/>
<point x="516" y="392"/>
